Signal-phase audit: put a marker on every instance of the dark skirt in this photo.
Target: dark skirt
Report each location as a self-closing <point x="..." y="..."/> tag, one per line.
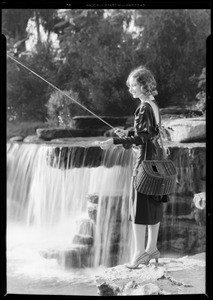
<point x="144" y="209"/>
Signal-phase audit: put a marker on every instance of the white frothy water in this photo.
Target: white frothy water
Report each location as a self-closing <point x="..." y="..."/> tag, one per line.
<point x="44" y="204"/>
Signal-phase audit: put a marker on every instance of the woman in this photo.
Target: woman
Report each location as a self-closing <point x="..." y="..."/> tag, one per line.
<point x="145" y="210"/>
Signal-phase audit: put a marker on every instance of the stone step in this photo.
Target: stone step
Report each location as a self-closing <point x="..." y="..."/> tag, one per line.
<point x="75" y="256"/>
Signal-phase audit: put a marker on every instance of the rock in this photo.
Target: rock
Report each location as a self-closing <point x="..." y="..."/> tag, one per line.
<point x="54" y="133"/>
<point x="186" y="130"/>
<point x="182" y="235"/>
<point x="92" y="198"/>
<point x="33" y="139"/>
<point x="129" y="286"/>
<point x="82" y="239"/>
<point x="177" y="110"/>
<point x="178" y="205"/>
<point x="191" y="179"/>
<point x="49" y="253"/>
<point x="79" y="256"/>
<point x="105" y="289"/>
<point x="186" y="274"/>
<point x="91" y="122"/>
<point x="86" y="227"/>
<point x="200" y="216"/>
<point x="78" y="156"/>
<point x="92" y="212"/>
<point x="92" y="201"/>
<point x="76" y="256"/>
<point x="73" y="157"/>
<point x="16" y="138"/>
<point x="147" y="289"/>
<point x="200" y="200"/>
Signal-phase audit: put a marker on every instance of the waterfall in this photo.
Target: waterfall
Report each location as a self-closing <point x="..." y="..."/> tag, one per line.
<point x="47" y="200"/>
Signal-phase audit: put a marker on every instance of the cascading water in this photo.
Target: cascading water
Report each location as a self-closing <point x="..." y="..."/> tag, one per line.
<point x="47" y="205"/>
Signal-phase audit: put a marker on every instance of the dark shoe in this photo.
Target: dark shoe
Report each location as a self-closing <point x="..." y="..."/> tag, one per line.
<point x="141" y="259"/>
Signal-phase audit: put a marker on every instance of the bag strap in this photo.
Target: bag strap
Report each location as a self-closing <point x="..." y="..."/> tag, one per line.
<point x="155" y="110"/>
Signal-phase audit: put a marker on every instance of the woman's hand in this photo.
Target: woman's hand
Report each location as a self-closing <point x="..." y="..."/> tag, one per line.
<point x="106" y="144"/>
<point x="121" y="132"/>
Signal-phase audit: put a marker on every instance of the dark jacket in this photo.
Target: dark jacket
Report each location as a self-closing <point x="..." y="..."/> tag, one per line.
<point x="145" y="134"/>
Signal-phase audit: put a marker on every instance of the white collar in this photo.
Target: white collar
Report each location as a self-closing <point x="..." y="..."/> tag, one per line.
<point x="151" y="97"/>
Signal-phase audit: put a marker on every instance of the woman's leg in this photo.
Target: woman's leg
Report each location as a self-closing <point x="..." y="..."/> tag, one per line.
<point x="152" y="238"/>
<point x="139" y="232"/>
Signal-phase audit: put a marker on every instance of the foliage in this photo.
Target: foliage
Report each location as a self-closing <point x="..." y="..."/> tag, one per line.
<point x="97" y="52"/>
<point x="99" y="55"/>
<point x="26" y="93"/>
<point x="201" y="95"/>
<point x="14" y="22"/>
<point x="175" y="46"/>
<point x="60" y="108"/>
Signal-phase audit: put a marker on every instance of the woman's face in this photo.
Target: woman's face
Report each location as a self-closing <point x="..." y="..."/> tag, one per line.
<point x="135" y="88"/>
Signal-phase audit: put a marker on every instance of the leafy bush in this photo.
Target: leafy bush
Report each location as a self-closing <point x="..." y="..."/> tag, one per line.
<point x="96" y="54"/>
<point x="201" y="95"/>
<point x="61" y="109"/>
<point x="26" y="93"/>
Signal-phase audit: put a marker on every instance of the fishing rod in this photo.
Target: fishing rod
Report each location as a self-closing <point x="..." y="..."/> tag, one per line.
<point x="61" y="91"/>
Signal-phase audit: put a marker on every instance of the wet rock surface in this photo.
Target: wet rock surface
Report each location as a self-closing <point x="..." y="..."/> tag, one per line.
<point x="184" y="275"/>
<point x="86" y="226"/>
<point x="32" y="139"/>
<point x="17" y="138"/>
<point x="48" y="134"/>
<point x="83" y="239"/>
<point x="80" y="253"/>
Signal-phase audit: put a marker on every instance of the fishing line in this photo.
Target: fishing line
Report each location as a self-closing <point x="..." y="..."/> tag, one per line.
<point x="61" y="92"/>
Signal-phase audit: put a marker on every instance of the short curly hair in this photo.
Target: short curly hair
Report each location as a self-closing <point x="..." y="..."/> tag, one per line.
<point x="145" y="78"/>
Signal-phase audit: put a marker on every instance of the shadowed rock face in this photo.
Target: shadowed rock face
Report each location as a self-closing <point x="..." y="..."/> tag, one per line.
<point x="64" y="157"/>
<point x="77" y="157"/>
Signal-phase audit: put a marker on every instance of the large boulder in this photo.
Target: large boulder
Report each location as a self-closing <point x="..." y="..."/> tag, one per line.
<point x="33" y="139"/>
<point x="78" y="256"/>
<point x="186" y="130"/>
<point x="82" y="239"/>
<point x="108" y="289"/>
<point x="54" y="133"/>
<point x="75" y="256"/>
<point x="147" y="289"/>
<point x="200" y="200"/>
<point x="92" y="198"/>
<point x="86" y="226"/>
<point x="18" y="138"/>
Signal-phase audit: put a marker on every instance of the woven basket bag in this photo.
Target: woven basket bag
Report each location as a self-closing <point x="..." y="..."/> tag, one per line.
<point x="156" y="177"/>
